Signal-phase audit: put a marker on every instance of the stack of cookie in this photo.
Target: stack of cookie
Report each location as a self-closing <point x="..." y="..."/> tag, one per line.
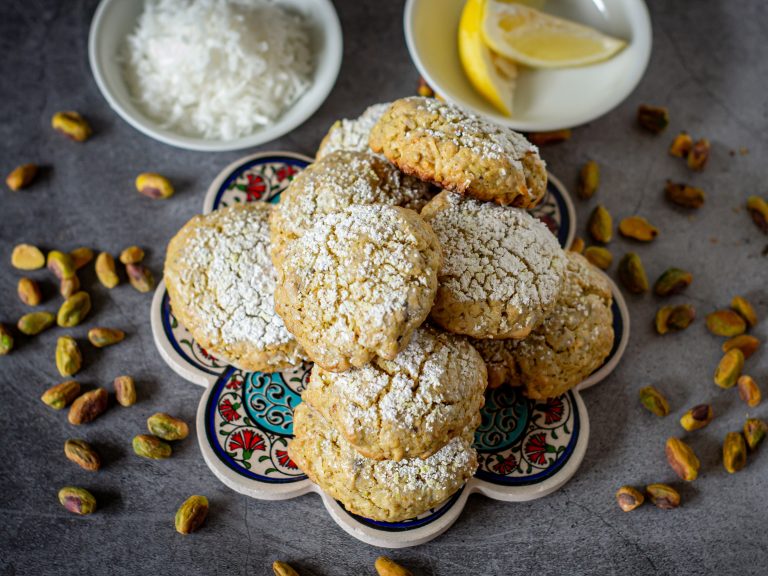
<point x="400" y="295"/>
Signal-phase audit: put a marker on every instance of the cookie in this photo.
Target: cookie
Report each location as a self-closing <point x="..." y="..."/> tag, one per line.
<point x="383" y="490"/>
<point x="358" y="283"/>
<point x="458" y="151"/>
<point x="503" y="268"/>
<point x="351" y="134"/>
<point x="407" y="407"/>
<point x="221" y="284"/>
<point x="339" y="180"/>
<point x="571" y="343"/>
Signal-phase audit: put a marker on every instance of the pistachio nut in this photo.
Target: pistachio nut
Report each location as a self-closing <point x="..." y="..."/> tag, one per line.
<point x="632" y="273"/>
<point x="388" y="567"/>
<point x="589" y="180"/>
<point x="154" y="185"/>
<point x="629" y="498"/>
<point x="101" y="337"/>
<point x="758" y="209"/>
<point x="167" y="427"/>
<point x="682" y="459"/>
<point x="684" y="195"/>
<point x="140" y="277"/>
<point x="699" y="155"/>
<point x="29" y="292"/>
<point x="106" y="271"/>
<point x="27" y="257"/>
<point x="663" y="496"/>
<point x="74" y="310"/>
<point x="551" y="137"/>
<point x="191" y="514"/>
<point x="151" y="447"/>
<point x="577" y="245"/>
<point x="601" y="224"/>
<point x="81" y="256"/>
<point x="125" y="390"/>
<point x="61" y="264"/>
<point x="599" y="256"/>
<point x="653" y="118"/>
<point x="697" y="417"/>
<point x="424" y="89"/>
<point x="729" y="368"/>
<point x="69" y="286"/>
<point x="6" y="340"/>
<point x="638" y="228"/>
<point x="681" y="145"/>
<point x="88" y="407"/>
<point x="734" y="452"/>
<point x="749" y="391"/>
<point x="68" y="357"/>
<point x="672" y="281"/>
<point x="681" y="317"/>
<point x="132" y="255"/>
<point x="654" y="401"/>
<point x="35" y="322"/>
<point x="661" y="320"/>
<point x="59" y="396"/>
<point x="746" y="343"/>
<point x="726" y="323"/>
<point x="754" y="432"/>
<point x="72" y="125"/>
<point x="82" y="454"/>
<point x="744" y="309"/>
<point x="77" y="500"/>
<point x="283" y="569"/>
<point x="21" y="177"/>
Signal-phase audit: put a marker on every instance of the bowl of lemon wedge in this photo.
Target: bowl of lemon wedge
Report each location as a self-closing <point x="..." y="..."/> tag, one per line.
<point x="532" y="65"/>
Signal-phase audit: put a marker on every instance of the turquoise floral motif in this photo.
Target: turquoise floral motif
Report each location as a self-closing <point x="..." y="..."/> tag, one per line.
<point x="270" y="401"/>
<point x="252" y="421"/>
<point x="504" y="419"/>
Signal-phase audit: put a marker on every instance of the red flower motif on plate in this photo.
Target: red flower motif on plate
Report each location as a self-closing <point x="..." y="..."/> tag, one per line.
<point x="248" y="441"/>
<point x="235" y="383"/>
<point x="537" y="448"/>
<point x="552" y="409"/>
<point x="506" y="465"/>
<point x="285" y="460"/>
<point x="228" y="410"/>
<point x="255" y="188"/>
<point x="285" y="171"/>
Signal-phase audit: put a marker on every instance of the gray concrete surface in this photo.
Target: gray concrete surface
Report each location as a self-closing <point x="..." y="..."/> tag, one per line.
<point x="708" y="66"/>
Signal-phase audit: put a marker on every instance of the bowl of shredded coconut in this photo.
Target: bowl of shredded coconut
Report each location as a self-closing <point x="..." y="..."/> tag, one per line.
<point x="215" y="75"/>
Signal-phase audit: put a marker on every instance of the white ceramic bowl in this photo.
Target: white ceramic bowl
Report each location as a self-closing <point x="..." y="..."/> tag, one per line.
<point x="544" y="99"/>
<point x="114" y="20"/>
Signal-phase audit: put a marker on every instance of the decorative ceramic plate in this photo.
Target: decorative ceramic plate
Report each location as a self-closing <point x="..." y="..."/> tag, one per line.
<point x="526" y="448"/>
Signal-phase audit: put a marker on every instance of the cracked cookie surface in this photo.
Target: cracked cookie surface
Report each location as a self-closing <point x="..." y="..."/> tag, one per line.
<point x="358" y="283"/>
<point x="571" y="343"/>
<point x="407" y="407"/>
<point x="456" y="150"/>
<point x="383" y="490"/>
<point x="351" y="133"/>
<point x="221" y="284"/>
<point x="502" y="271"/>
<point x="335" y="182"/>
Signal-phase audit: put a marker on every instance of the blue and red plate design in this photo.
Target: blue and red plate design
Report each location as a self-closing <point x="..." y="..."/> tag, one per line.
<point x="526" y="448"/>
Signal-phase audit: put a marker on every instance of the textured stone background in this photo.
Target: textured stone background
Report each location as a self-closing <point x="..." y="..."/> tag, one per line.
<point x="709" y="67"/>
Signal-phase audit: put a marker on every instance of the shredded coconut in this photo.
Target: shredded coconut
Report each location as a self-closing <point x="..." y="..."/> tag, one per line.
<point x="217" y="68"/>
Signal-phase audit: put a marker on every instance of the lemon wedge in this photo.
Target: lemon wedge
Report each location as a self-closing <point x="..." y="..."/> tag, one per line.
<point x="492" y="75"/>
<point x="540" y="40"/>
